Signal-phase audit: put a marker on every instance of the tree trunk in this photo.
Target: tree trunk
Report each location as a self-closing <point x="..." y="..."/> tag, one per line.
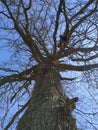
<point x="49" y="108"/>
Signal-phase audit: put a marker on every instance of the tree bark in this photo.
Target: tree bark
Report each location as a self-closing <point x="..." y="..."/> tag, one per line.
<point x="49" y="109"/>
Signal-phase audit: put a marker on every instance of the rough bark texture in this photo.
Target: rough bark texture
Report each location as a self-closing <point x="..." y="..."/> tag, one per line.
<point x="49" y="108"/>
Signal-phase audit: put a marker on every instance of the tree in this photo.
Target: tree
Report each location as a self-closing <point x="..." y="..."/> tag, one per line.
<point x="46" y="38"/>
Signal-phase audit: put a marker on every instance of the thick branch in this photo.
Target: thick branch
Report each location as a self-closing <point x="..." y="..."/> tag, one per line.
<point x="16" y="77"/>
<point x="63" y="67"/>
<point x="86" y="50"/>
<point x="57" y="23"/>
<point x="82" y="10"/>
<point x="82" y="19"/>
<point x="70" y="51"/>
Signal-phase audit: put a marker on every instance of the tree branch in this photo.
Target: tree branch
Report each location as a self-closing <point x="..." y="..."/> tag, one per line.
<point x="26" y="38"/>
<point x="81" y="11"/>
<point x="17" y="77"/>
<point x="63" y="67"/>
<point x="81" y="20"/>
<point x="85" y="59"/>
<point x="57" y="24"/>
<point x="16" y="114"/>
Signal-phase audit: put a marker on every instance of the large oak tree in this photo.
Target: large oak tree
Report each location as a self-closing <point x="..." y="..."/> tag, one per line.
<point x="46" y="37"/>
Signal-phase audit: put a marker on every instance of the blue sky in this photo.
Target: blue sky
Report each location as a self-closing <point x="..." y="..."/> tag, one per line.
<point x="84" y="89"/>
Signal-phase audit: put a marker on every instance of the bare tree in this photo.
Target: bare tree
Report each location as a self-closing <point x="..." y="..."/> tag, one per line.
<point x="46" y="37"/>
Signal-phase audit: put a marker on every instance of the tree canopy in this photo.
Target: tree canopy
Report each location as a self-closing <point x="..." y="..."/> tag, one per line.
<point x="34" y="32"/>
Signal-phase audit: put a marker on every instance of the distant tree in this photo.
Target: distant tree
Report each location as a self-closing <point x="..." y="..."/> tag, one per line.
<point x="46" y="37"/>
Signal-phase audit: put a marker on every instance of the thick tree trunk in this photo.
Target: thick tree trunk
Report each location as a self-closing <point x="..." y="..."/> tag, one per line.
<point x="49" y="108"/>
